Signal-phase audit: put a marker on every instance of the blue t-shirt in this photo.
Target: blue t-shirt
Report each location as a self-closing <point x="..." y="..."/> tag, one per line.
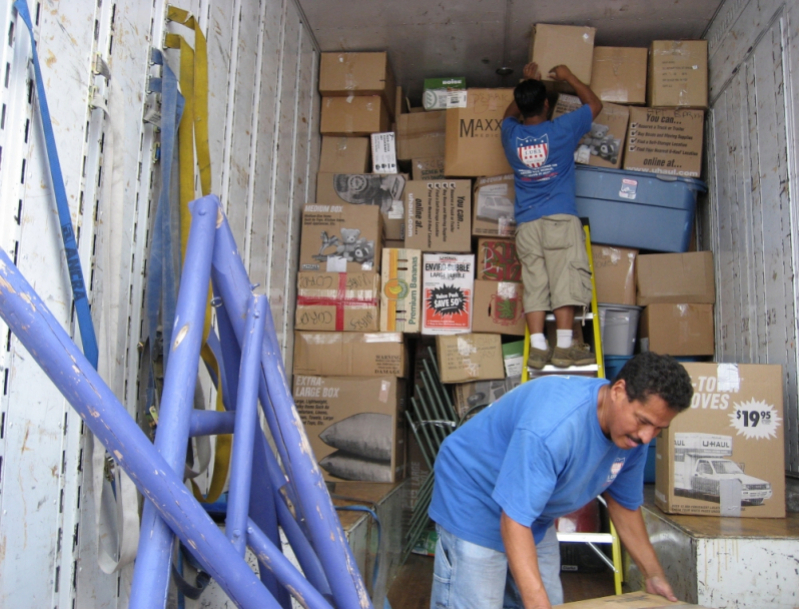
<point x="542" y="158"/>
<point x="537" y="453"/>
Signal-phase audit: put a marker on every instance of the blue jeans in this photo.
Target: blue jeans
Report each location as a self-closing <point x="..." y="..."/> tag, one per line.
<point x="469" y="576"/>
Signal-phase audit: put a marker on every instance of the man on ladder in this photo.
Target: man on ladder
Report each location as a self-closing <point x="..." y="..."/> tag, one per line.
<point x="549" y="237"/>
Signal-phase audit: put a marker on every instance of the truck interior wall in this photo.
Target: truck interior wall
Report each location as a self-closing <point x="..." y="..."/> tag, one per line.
<point x="750" y="217"/>
<point x="263" y="129"/>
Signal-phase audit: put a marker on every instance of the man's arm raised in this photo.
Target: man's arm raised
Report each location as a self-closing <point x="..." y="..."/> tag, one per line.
<point x="584" y="92"/>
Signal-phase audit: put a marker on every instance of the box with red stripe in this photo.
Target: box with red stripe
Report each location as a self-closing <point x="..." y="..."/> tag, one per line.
<point x="338" y="302"/>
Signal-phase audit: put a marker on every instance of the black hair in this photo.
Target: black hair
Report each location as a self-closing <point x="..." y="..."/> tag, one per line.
<point x="530" y="96"/>
<point x="649" y="374"/>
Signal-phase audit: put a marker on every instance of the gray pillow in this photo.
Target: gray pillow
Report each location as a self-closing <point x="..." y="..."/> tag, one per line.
<point x="367" y="434"/>
<point x="350" y="467"/>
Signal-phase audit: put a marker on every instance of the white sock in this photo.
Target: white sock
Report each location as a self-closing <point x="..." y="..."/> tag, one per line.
<point x="564" y="338"/>
<point x="537" y="341"/>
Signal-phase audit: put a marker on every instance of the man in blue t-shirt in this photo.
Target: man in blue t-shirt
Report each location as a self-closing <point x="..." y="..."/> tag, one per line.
<point x="542" y="451"/>
<point x="549" y="237"/>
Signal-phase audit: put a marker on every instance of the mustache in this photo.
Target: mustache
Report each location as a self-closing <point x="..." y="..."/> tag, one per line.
<point x="638" y="441"/>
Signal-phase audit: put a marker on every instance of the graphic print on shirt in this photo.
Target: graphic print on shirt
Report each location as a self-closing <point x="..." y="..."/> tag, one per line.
<point x="615" y="469"/>
<point x="533" y="151"/>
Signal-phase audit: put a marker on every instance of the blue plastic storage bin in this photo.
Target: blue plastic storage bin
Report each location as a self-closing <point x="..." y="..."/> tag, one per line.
<point x="649" y="466"/>
<point x="614" y="364"/>
<point x="635" y="209"/>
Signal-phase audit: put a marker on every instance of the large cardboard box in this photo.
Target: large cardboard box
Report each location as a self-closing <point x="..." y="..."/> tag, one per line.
<point x="493" y="203"/>
<point x="338" y="302"/>
<point x="675" y="278"/>
<point x="341" y="238"/>
<point x="448" y="293"/>
<point x="470" y="397"/>
<point x="401" y="291"/>
<point x="618" y="74"/>
<point x="354" y="116"/>
<point x="384" y="190"/>
<point x="463" y="358"/>
<point x="552" y="45"/>
<point x="725" y="456"/>
<point x="677" y="329"/>
<point x="430" y="168"/>
<point x="498" y="307"/>
<point x="350" y="354"/>
<point x="665" y="140"/>
<point x="678" y="73"/>
<point x="473" y="143"/>
<point x="421" y="134"/>
<point x="438" y="215"/>
<point x="603" y="146"/>
<point x="497" y="260"/>
<point x="355" y="425"/>
<point x="347" y="74"/>
<point x="634" y="600"/>
<point x="614" y="274"/>
<point x="344" y="154"/>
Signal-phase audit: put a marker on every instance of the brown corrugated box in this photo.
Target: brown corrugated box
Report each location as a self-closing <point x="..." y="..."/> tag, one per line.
<point x="493" y="203"/>
<point x="677" y="329"/>
<point x="421" y="134"/>
<point x="469" y="357"/>
<point x="618" y="74"/>
<point x="471" y="396"/>
<point x="665" y="140"/>
<point x="473" y="141"/>
<point x="344" y="154"/>
<point x="603" y="146"/>
<point x="338" y="302"/>
<point x="359" y="115"/>
<point x="355" y="425"/>
<point x="725" y="455"/>
<point x="438" y="215"/>
<point x="676" y="278"/>
<point x="345" y="74"/>
<point x="677" y="74"/>
<point x="573" y="46"/>
<point x="431" y="168"/>
<point x="498" y="307"/>
<point x="350" y="354"/>
<point x="634" y="600"/>
<point x="614" y="274"/>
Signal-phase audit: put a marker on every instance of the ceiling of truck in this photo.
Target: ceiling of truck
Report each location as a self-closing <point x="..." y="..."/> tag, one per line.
<point x="472" y="38"/>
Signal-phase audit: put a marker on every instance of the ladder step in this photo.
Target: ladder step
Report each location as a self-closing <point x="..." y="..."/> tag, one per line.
<point x="585" y="537"/>
<point x="550" y="369"/>
<point x="588" y="317"/>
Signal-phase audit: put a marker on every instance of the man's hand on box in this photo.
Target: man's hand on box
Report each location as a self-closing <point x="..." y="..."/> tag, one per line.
<point x="560" y="72"/>
<point x="657" y="584"/>
<point x="531" y="71"/>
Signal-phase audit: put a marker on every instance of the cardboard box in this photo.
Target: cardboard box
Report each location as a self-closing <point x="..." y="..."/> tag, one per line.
<point x="618" y="74"/>
<point x="498" y="307"/>
<point x="494" y="199"/>
<point x="614" y="274"/>
<point x="350" y="354"/>
<point x="338" y="302"/>
<point x="421" y="134"/>
<point x="355" y="425"/>
<point x="384" y="153"/>
<point x="430" y="168"/>
<point x="497" y="260"/>
<point x="384" y="191"/>
<point x="513" y="358"/>
<point x="469" y="357"/>
<point x="354" y="116"/>
<point x="573" y="46"/>
<point x="401" y="293"/>
<point x="448" y="293"/>
<point x="634" y="600"/>
<point x="344" y="154"/>
<point x="470" y="397"/>
<point x="677" y="329"/>
<point x="438" y="215"/>
<point x="347" y="74"/>
<point x="443" y="93"/>
<point x="473" y="143"/>
<point x="395" y="244"/>
<point x="676" y="278"/>
<point x="678" y="73"/>
<point x="725" y="456"/>
<point x="340" y="238"/>
<point x="603" y="146"/>
<point x="665" y="140"/>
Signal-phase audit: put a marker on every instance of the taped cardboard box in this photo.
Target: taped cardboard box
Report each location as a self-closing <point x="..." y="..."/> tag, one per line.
<point x="355" y="425"/>
<point x="347" y="74"/>
<point x="676" y="278"/>
<point x="430" y="168"/>
<point x="401" y="293"/>
<point x="618" y="74"/>
<point x="438" y="215"/>
<point x="552" y="45"/>
<point x="665" y="140"/>
<point x="340" y="238"/>
<point x="344" y="154"/>
<point x="494" y="199"/>
<point x="677" y="329"/>
<point x="448" y="293"/>
<point x="678" y="73"/>
<point x="471" y="397"/>
<point x="350" y="354"/>
<point x="614" y="274"/>
<point x="497" y="260"/>
<point x="338" y="302"/>
<point x="725" y="456"/>
<point x="498" y="307"/>
<point x="603" y="146"/>
<point x="353" y="116"/>
<point x="421" y="134"/>
<point x="634" y="600"/>
<point x="469" y="357"/>
<point x="473" y="142"/>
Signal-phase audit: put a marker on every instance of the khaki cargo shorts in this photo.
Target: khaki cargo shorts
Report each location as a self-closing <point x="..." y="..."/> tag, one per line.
<point x="555" y="268"/>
